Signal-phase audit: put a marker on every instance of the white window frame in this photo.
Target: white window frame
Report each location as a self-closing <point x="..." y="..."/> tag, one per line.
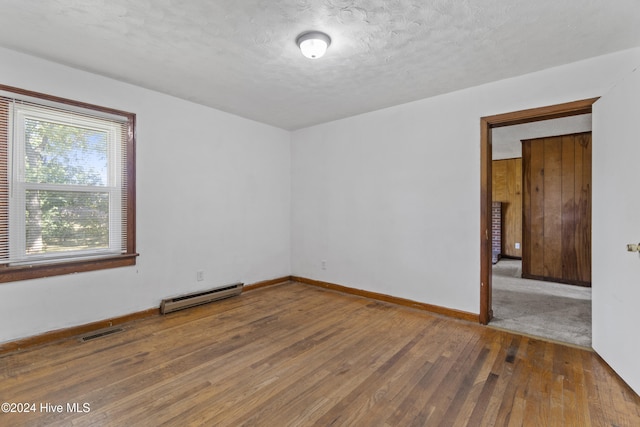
<point x="19" y="186"/>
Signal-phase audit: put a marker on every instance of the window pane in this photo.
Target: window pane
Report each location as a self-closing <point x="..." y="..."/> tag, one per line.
<point x="58" y="221"/>
<point x="64" y="154"/>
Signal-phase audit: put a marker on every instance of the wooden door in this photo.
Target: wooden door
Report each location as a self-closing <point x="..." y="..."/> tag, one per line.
<point x="557" y="209"/>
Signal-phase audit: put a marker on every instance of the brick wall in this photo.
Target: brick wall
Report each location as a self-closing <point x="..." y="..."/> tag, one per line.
<point x="496" y="231"/>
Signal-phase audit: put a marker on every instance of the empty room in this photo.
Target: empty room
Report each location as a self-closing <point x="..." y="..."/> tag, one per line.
<point x="280" y="213"/>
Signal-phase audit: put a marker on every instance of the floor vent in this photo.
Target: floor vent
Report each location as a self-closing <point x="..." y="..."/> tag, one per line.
<point x="100" y="334"/>
<point x="199" y="298"/>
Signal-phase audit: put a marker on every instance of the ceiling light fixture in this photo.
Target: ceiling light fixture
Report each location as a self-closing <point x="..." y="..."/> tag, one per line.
<point x="313" y="44"/>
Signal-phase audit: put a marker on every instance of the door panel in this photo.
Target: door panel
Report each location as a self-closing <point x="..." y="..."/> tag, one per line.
<point x="557" y="208"/>
<point x="569" y="182"/>
<point x="616" y="222"/>
<point x="552" y="201"/>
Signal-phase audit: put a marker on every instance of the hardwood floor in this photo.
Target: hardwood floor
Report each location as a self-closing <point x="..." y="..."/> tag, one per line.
<point x="295" y="354"/>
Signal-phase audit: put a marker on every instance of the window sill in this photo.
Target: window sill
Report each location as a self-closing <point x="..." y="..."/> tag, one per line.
<point x="22" y="272"/>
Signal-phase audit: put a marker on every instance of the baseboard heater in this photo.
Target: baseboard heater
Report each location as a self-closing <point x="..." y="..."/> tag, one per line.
<point x="198" y="298"/>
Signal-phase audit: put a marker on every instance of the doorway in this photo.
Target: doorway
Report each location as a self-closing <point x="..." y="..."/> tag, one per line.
<point x="487" y="124"/>
<point x="541" y="249"/>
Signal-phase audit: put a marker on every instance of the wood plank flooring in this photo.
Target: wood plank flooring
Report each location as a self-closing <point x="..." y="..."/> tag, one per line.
<point x="298" y="355"/>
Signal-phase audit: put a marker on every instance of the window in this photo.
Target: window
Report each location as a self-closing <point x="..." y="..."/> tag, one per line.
<point x="67" y="199"/>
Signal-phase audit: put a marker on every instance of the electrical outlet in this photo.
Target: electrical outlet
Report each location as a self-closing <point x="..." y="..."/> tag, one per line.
<point x="199" y="275"/>
<point x="323" y="264"/>
<point x="517" y="245"/>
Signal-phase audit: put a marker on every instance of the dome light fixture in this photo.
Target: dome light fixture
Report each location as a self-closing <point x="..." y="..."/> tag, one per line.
<point x="313" y="44"/>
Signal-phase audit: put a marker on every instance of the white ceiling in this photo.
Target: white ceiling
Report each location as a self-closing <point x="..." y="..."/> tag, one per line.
<point x="505" y="141"/>
<point x="240" y="55"/>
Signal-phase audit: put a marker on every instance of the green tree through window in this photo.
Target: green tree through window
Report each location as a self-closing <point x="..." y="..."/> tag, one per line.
<point x="72" y="156"/>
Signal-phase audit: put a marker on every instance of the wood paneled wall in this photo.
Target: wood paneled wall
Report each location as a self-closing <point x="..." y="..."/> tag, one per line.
<point x="557" y="208"/>
<point x="507" y="188"/>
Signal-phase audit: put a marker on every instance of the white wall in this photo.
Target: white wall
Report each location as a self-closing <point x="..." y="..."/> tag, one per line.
<point x="213" y="194"/>
<point x="391" y="199"/>
<point x="616" y="222"/>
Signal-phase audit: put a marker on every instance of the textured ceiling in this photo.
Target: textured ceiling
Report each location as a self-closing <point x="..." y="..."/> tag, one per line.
<point x="240" y="55"/>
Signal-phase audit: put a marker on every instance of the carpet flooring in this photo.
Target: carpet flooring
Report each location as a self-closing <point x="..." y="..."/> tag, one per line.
<point x="549" y="310"/>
